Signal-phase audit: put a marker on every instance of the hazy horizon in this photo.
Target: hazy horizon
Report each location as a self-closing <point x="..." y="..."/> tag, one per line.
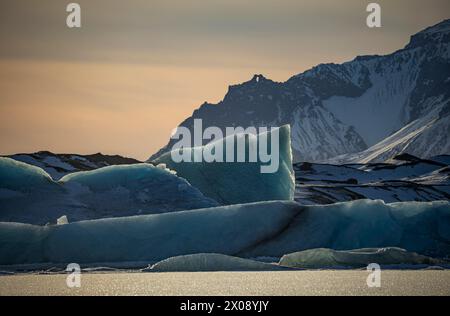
<point x="135" y="70"/>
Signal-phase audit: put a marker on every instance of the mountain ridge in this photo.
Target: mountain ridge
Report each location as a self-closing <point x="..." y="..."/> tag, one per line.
<point x="342" y="109"/>
<point x="59" y="165"/>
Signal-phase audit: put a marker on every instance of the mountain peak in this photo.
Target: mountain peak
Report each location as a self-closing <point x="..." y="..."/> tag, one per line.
<point x="337" y="109"/>
<point x="258" y="77"/>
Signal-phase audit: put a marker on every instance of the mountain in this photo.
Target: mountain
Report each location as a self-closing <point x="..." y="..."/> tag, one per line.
<point x="380" y="105"/>
<point x="404" y="178"/>
<point x="426" y="136"/>
<point x="58" y="165"/>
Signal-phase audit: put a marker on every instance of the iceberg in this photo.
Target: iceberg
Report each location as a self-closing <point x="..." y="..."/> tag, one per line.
<point x="210" y="262"/>
<point x="262" y="229"/>
<point x="329" y="258"/>
<point x="29" y="195"/>
<point x="22" y="177"/>
<point x="238" y="182"/>
<point x="422" y="227"/>
<point x="151" y="238"/>
<point x="125" y="190"/>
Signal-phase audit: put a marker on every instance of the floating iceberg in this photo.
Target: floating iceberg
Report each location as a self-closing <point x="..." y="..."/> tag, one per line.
<point x="238" y="182"/>
<point x="29" y="195"/>
<point x="210" y="262"/>
<point x="329" y="258"/>
<point x="422" y="227"/>
<point x="126" y="190"/>
<point x="264" y="229"/>
<point x="151" y="238"/>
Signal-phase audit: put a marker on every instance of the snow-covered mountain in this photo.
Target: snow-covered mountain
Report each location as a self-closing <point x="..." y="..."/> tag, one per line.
<point x="377" y="105"/>
<point x="425" y="136"/>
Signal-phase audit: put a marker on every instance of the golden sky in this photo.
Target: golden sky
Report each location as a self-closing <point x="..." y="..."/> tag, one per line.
<point x="137" y="68"/>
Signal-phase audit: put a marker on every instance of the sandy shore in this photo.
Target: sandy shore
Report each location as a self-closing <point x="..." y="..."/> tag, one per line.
<point x="347" y="282"/>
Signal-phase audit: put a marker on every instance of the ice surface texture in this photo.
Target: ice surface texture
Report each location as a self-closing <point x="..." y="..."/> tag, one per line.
<point x="29" y="195"/>
<point x="264" y="229"/>
<point x="322" y="258"/>
<point x="234" y="182"/>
